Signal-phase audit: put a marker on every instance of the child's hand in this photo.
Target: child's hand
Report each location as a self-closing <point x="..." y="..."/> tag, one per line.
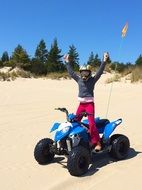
<point x="66" y="58"/>
<point x="105" y="57"/>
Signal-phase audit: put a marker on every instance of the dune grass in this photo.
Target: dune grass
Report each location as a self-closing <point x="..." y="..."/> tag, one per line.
<point x="136" y="75"/>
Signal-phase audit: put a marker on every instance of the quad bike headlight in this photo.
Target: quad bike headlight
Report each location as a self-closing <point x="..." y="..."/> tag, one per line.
<point x="64" y="127"/>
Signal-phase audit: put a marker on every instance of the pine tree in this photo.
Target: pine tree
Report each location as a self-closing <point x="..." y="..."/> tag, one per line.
<point x="54" y="62"/>
<point x="119" y="67"/>
<point x="139" y="61"/>
<point x="94" y="61"/>
<point x="91" y="59"/>
<point x="1" y="63"/>
<point x="5" y="57"/>
<point x="39" y="61"/>
<point x="97" y="61"/>
<point x="41" y="52"/>
<point x="74" y="57"/>
<point x="37" y="67"/>
<point x="20" y="58"/>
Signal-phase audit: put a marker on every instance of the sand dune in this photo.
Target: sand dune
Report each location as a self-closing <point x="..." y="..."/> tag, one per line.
<point x="26" y="114"/>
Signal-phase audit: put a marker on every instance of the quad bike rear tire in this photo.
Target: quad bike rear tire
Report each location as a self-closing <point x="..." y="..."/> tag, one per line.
<point x="120" y="146"/>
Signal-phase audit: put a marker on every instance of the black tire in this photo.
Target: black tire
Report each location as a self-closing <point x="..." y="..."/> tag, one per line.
<point x="78" y="161"/>
<point x="120" y="146"/>
<point x="42" y="152"/>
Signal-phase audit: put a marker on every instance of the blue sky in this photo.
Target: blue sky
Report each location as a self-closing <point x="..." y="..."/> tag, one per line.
<point x="90" y="25"/>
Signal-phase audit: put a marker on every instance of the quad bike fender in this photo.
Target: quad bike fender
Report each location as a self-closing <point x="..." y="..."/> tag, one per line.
<point x="54" y="127"/>
<point x="110" y="127"/>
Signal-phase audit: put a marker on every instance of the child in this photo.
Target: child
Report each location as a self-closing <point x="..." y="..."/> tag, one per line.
<point x="86" y="83"/>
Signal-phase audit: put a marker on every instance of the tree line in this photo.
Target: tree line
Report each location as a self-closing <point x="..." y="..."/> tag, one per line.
<point x="47" y="61"/>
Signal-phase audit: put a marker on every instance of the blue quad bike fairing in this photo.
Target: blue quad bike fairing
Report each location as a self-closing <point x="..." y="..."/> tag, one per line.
<point x="105" y="127"/>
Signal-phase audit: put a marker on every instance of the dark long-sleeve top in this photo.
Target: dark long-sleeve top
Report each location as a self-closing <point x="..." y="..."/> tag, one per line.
<point x="86" y="88"/>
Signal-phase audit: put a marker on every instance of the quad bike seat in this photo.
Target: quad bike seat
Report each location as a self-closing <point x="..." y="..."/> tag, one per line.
<point x="101" y="122"/>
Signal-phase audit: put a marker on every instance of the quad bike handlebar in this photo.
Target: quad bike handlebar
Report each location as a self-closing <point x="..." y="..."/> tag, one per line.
<point x="62" y="110"/>
<point x="82" y="114"/>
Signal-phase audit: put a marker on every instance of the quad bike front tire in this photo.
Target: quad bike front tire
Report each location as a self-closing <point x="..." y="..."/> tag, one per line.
<point x="120" y="146"/>
<point x="78" y="161"/>
<point x="42" y="152"/>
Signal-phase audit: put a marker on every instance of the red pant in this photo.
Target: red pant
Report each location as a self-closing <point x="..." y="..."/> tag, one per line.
<point x="90" y="108"/>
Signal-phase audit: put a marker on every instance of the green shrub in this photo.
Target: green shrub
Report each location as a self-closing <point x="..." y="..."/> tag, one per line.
<point x="115" y="78"/>
<point x="136" y="74"/>
<point x="14" y="74"/>
<point x="4" y="76"/>
<point x="57" y="76"/>
<point x="23" y="74"/>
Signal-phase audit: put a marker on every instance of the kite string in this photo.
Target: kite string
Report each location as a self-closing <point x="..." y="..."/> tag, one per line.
<point x="111" y="87"/>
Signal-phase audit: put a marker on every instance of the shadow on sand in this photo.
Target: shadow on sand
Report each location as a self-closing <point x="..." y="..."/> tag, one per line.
<point x="98" y="161"/>
<point x="103" y="159"/>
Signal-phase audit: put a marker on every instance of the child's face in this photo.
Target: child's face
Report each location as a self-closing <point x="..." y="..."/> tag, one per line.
<point x="85" y="74"/>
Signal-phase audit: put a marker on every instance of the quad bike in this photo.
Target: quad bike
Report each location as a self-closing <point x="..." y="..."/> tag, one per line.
<point x="72" y="140"/>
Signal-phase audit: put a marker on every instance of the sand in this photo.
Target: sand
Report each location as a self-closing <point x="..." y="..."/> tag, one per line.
<point x="26" y="116"/>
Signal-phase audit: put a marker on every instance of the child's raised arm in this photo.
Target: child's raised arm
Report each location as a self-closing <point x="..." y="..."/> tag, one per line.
<point x="101" y="68"/>
<point x="69" y="68"/>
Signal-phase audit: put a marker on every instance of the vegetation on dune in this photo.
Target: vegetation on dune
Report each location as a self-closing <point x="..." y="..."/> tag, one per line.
<point x="49" y="63"/>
